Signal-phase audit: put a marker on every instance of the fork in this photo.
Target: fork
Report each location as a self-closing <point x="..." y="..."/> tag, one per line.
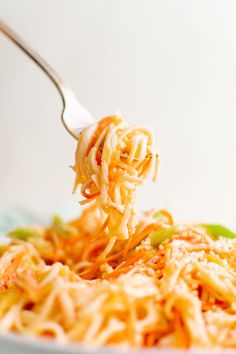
<point x="74" y="116"/>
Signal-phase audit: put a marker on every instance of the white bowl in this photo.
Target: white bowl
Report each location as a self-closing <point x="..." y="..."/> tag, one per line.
<point x="17" y="344"/>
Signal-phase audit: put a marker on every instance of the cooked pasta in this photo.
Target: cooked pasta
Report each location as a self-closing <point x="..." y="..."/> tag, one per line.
<point x="167" y="286"/>
<point x="112" y="278"/>
<point x="112" y="159"/>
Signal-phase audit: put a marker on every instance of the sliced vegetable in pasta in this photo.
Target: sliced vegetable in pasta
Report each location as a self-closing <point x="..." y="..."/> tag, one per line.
<point x="219" y="230"/>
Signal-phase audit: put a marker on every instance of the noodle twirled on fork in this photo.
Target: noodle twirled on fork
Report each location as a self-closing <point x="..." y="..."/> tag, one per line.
<point x="112" y="160"/>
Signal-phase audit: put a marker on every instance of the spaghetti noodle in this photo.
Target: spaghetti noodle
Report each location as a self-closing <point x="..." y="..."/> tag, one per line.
<point x="112" y="159"/>
<point x="141" y="283"/>
<point x="146" y="291"/>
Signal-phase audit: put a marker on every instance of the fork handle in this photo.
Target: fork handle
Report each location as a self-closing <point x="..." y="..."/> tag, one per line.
<point x="48" y="70"/>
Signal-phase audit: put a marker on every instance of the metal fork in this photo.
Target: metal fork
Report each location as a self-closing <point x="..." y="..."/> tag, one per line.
<point x="74" y="116"/>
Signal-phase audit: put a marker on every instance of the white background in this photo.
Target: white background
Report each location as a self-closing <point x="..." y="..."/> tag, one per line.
<point x="170" y="65"/>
